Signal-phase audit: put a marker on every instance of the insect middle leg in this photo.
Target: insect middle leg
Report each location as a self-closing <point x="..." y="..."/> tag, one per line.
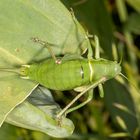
<point x="97" y="56"/>
<point x="48" y="46"/>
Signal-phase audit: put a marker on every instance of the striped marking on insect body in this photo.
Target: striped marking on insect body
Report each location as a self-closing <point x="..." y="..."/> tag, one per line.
<point x="82" y="72"/>
<point x="91" y="71"/>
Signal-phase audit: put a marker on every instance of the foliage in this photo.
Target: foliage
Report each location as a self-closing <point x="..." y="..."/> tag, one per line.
<point x="117" y="22"/>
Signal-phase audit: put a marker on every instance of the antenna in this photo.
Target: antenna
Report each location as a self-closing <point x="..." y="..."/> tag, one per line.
<point x="129" y="81"/>
<point x="121" y="58"/>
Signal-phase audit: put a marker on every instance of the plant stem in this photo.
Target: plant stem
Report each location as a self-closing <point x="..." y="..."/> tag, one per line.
<point x="122" y="10"/>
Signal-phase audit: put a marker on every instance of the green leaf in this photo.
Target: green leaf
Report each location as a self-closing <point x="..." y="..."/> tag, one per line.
<point x="135" y="4"/>
<point x="39" y="112"/>
<point x="12" y="92"/>
<point x="121" y="96"/>
<point x="133" y="23"/>
<point x="9" y="132"/>
<point x="94" y="15"/>
<point x="20" y="20"/>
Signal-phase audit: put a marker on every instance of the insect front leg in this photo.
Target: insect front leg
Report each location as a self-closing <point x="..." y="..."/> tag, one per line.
<point x="97" y="56"/>
<point x="86" y="37"/>
<point x="48" y="46"/>
<point x="63" y="111"/>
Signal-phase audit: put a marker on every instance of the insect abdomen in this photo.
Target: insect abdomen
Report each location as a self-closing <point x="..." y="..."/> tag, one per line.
<point x="64" y="76"/>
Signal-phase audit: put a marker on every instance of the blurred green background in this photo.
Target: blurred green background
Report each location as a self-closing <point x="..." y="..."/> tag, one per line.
<point x="117" y="115"/>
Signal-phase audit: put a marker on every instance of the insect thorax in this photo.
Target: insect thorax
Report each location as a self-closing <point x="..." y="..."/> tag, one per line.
<point x="105" y="68"/>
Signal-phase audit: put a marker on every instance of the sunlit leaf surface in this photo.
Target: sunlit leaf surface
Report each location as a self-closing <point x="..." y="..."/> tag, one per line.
<point x="20" y="20"/>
